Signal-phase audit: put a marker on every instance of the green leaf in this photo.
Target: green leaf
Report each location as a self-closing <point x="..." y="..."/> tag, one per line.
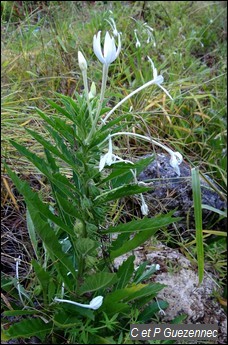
<point x="58" y="108"/>
<point x="119" y="192"/>
<point x="41" y="274"/>
<point x="213" y="209"/>
<point x="60" y="180"/>
<point x="74" y="310"/>
<point x="119" y="169"/>
<point x="125" y="272"/>
<point x="151" y="227"/>
<point x="62" y="146"/>
<point x="64" y="320"/>
<point x="42" y="227"/>
<point x="61" y="44"/>
<point x="146" y="290"/>
<point x="114" y="122"/>
<point x="146" y="274"/>
<point x="140" y="271"/>
<point x="196" y="190"/>
<point x="32" y="198"/>
<point x="101" y="340"/>
<point x="144" y="224"/>
<point x="29" y="328"/>
<point x="49" y="146"/>
<point x="114" y="308"/>
<point x="179" y="319"/>
<point x="68" y="206"/>
<point x="138" y="239"/>
<point x="20" y="312"/>
<point x="98" y="281"/>
<point x="52" y="122"/>
<point x="131" y="293"/>
<point x="44" y="279"/>
<point x="85" y="246"/>
<point x="51" y="242"/>
<point x="32" y="233"/>
<point x="149" y="312"/>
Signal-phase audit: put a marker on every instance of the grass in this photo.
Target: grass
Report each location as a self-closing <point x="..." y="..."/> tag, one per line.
<point x="39" y="57"/>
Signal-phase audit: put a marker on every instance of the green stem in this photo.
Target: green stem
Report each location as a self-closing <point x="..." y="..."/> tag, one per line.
<point x="103" y="87"/>
<point x="84" y="76"/>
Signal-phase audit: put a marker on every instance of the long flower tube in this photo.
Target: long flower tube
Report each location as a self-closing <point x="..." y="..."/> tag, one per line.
<point x="17" y="279"/>
<point x="144" y="206"/>
<point x="94" y="304"/>
<point x="157" y="80"/>
<point x="176" y="158"/>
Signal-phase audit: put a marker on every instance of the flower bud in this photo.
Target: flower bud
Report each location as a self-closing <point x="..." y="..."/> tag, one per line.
<point x="93" y="91"/>
<point x="82" y="61"/>
<point x="96" y="302"/>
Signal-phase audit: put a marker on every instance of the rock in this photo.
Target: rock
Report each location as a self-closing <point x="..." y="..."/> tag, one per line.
<point x="170" y="192"/>
<point x="182" y="291"/>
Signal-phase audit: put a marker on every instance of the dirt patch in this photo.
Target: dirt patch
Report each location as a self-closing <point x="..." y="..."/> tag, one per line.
<point x="182" y="291"/>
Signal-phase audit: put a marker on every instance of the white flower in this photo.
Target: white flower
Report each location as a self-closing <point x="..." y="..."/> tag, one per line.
<point x="82" y="61"/>
<point x="107" y="159"/>
<point x="94" y="304"/>
<point x="149" y="31"/>
<point x="158" y="79"/>
<point x="144" y="207"/>
<point x="137" y="44"/>
<point x="113" y="26"/>
<point x="157" y="267"/>
<point x="110" y="51"/>
<point x="161" y="311"/>
<point x="175" y="160"/>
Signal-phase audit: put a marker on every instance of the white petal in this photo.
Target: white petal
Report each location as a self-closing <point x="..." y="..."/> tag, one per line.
<point x="110" y="159"/>
<point x="178" y="157"/>
<point x="174" y="162"/>
<point x="97" y="47"/>
<point x="155" y="73"/>
<point x="168" y="94"/>
<point x="102" y="162"/>
<point x="93" y="91"/>
<point x="109" y="49"/>
<point x="144" y="209"/>
<point x="119" y="46"/>
<point x="159" y="80"/>
<point x="96" y="302"/>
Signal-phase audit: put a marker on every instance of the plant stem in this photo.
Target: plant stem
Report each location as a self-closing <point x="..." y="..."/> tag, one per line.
<point x="103" y="87"/>
<point x="85" y="82"/>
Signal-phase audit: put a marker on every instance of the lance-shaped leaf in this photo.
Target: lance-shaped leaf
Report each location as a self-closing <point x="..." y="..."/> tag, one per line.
<point x="43" y="229"/>
<point x="120" y="192"/>
<point x="29" y="328"/>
